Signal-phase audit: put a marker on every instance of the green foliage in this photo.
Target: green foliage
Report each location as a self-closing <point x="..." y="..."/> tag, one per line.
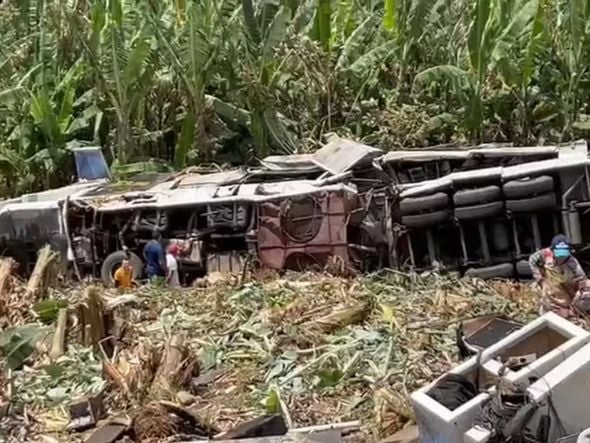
<point x="236" y="80"/>
<point x="47" y="310"/>
<point x="17" y="344"/>
<point x="323" y="23"/>
<point x="127" y="171"/>
<point x="272" y="403"/>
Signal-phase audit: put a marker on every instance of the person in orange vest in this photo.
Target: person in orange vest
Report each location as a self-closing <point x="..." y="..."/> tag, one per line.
<point x="124" y="276"/>
<point x="559" y="275"/>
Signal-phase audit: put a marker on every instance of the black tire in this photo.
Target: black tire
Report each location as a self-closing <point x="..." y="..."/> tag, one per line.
<point x="112" y="262"/>
<point x="424" y="220"/>
<point x="528" y="187"/>
<point x="538" y="203"/>
<point x="467" y="197"/>
<point x="478" y="211"/>
<point x="413" y="205"/>
<point x="503" y="270"/>
<point x="523" y="269"/>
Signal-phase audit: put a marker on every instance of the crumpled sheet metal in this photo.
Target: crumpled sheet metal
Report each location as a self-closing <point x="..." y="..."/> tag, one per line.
<point x="276" y="247"/>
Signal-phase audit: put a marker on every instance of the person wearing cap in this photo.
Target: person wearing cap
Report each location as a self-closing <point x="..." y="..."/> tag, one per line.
<point x="559" y="275"/>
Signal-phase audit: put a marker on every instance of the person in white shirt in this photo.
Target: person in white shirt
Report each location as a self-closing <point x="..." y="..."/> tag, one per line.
<point x="172" y="265"/>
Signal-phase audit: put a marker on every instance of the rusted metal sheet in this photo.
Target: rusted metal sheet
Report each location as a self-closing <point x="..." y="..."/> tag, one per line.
<point x="341" y="155"/>
<point x="307" y="230"/>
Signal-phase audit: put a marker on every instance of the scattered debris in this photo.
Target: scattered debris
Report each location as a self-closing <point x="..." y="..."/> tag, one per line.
<point x="340" y="317"/>
<point x="314" y="348"/>
<point x="108" y="433"/>
<point x="406" y="435"/>
<point x="266" y="426"/>
<point x="482" y="332"/>
<point x="157" y="421"/>
<point x="344" y="427"/>
<point x="85" y="413"/>
<point x="203" y="381"/>
<point x="320" y="437"/>
<point x="154" y="423"/>
<point x="175" y="370"/>
<point x="496" y="394"/>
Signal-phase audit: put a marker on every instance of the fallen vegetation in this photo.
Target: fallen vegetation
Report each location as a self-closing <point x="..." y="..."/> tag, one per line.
<point x="315" y="348"/>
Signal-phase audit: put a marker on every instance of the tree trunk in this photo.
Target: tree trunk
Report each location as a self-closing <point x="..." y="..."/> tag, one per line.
<point x="125" y="145"/>
<point x="175" y="369"/>
<point x="43" y="273"/>
<point x="94" y="322"/>
<point x="6" y="266"/>
<point x="58" y="345"/>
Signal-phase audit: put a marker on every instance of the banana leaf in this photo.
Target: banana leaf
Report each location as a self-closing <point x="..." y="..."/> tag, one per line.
<point x="47" y="310"/>
<point x="17" y="344"/>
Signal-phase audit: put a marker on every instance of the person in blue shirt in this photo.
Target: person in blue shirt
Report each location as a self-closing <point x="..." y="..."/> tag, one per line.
<point x="155" y="258"/>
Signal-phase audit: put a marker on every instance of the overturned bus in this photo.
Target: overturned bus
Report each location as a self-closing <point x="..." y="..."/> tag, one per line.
<point x="480" y="211"/>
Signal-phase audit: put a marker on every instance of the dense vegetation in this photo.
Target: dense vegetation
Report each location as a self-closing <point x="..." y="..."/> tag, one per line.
<point x="193" y="81"/>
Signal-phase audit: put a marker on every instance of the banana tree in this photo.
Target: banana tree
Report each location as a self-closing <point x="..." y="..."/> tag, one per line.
<point x="41" y="103"/>
<point x="354" y="53"/>
<point x="407" y="22"/>
<point x="194" y="45"/>
<point x="266" y="25"/>
<point x="569" y="30"/>
<point x="487" y="25"/>
<point x="322" y="29"/>
<point x="57" y="117"/>
<point x="515" y="54"/>
<point x="119" y="51"/>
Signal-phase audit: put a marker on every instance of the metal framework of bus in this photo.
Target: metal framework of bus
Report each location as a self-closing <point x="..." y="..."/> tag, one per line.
<point x="481" y="211"/>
